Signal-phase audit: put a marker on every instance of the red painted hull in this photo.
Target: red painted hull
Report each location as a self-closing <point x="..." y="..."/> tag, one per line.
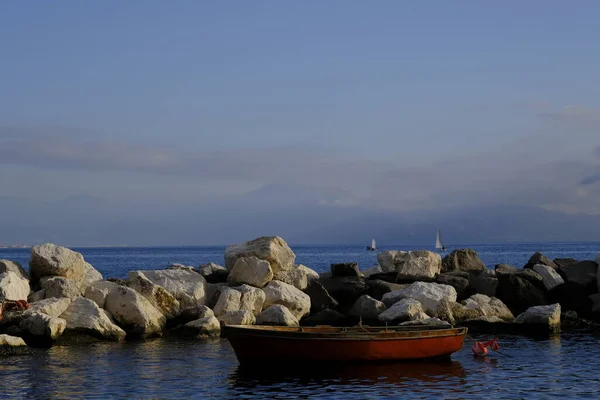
<point x="257" y="344"/>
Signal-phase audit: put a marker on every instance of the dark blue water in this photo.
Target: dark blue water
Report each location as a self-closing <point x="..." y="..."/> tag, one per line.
<point x="562" y="366"/>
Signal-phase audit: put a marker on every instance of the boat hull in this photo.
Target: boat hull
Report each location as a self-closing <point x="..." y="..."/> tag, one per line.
<point x="253" y="345"/>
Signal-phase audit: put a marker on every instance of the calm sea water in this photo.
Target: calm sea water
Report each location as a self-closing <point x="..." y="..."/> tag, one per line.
<point x="175" y="368"/>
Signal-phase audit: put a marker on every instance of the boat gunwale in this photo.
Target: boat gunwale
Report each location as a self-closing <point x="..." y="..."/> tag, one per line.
<point x="262" y="331"/>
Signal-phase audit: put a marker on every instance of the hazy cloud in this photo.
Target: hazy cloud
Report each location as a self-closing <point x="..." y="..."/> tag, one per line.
<point x="574" y="114"/>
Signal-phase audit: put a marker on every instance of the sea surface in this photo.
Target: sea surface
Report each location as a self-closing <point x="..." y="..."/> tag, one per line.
<point x="559" y="366"/>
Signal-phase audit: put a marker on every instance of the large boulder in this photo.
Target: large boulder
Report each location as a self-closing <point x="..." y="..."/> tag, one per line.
<point x="427" y="322"/>
<point x="57" y="286"/>
<point x="162" y="300"/>
<point x="52" y="307"/>
<point x="7" y="265"/>
<point x="320" y="299"/>
<point x="345" y="290"/>
<point x="277" y="315"/>
<point x="252" y="299"/>
<point x="229" y="300"/>
<point x="11" y="345"/>
<point x="550" y="278"/>
<point x="136" y="315"/>
<point x="387" y="260"/>
<point x="417" y="265"/>
<point x="542" y="315"/>
<point x="190" y="314"/>
<point x="489" y="306"/>
<point x="427" y="293"/>
<point x="90" y="275"/>
<point x="239" y="317"/>
<point x="213" y="273"/>
<point x="519" y="294"/>
<point x="403" y="310"/>
<point x="42" y="327"/>
<point x="207" y="327"/>
<point x="345" y="269"/>
<point x="97" y="294"/>
<point x="269" y="248"/>
<point x="573" y="296"/>
<point x="325" y="317"/>
<point x="13" y="286"/>
<point x="378" y="288"/>
<point x="563" y="262"/>
<point x="583" y="273"/>
<point x="367" y="308"/>
<point x="459" y="283"/>
<point x="188" y="287"/>
<point x="539" y="258"/>
<point x="295" y="277"/>
<point x="453" y="312"/>
<point x="297" y="302"/>
<point x="505" y="269"/>
<point x="374" y="270"/>
<point x="463" y="260"/>
<point x="51" y="260"/>
<point x="83" y="316"/>
<point x="484" y="283"/>
<point x="250" y="270"/>
<point x="597" y="259"/>
<point x="311" y="274"/>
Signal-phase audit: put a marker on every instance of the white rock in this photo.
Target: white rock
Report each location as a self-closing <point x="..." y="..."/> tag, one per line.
<point x="270" y="248"/>
<point x="7" y="265"/>
<point x="277" y="315"/>
<point x="239" y="317"/>
<point x="421" y="264"/>
<point x="11" y="341"/>
<point x="367" y="307"/>
<point x="13" y="286"/>
<point x="90" y="275"/>
<point x="251" y="271"/>
<point x="550" y="278"/>
<point x="162" y="300"/>
<point x="387" y="260"/>
<point x="295" y="277"/>
<point x="210" y="268"/>
<point x="373" y="270"/>
<point x="51" y="260"/>
<point x="427" y="322"/>
<point x="134" y="313"/>
<point x="53" y="306"/>
<point x="96" y="294"/>
<point x="204" y="328"/>
<point x="252" y="300"/>
<point x="186" y="286"/>
<point x="84" y="316"/>
<point x="489" y="306"/>
<point x="419" y="316"/>
<point x="545" y="315"/>
<point x="295" y="300"/>
<point x="310" y="273"/>
<point x="229" y="300"/>
<point x="427" y="293"/>
<point x="43" y="326"/>
<point x="403" y="310"/>
<point x="58" y="286"/>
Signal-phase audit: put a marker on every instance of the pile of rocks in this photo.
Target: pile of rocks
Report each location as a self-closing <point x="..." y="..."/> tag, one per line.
<point x="261" y="284"/>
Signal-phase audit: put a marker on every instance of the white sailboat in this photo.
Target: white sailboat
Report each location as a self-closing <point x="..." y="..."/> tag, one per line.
<point x="438" y="242"/>
<point x="373" y="246"/>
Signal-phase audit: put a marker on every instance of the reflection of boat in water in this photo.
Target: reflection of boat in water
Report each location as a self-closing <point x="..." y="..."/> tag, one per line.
<point x="264" y="344"/>
<point x="427" y="372"/>
<point x="373" y="246"/>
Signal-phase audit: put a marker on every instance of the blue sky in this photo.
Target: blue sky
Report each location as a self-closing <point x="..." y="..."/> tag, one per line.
<point x="113" y="99"/>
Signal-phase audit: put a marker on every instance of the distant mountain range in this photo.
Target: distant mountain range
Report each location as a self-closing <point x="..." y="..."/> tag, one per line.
<point x="301" y="215"/>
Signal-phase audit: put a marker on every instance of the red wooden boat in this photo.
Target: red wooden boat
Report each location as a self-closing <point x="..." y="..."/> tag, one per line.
<point x="260" y="344"/>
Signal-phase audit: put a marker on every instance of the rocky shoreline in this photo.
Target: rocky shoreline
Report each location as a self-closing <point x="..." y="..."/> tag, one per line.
<point x="260" y="283"/>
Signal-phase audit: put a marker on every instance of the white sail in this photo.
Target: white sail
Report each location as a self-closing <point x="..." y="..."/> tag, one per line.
<point x="438" y="240"/>
<point x="373" y="245"/>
